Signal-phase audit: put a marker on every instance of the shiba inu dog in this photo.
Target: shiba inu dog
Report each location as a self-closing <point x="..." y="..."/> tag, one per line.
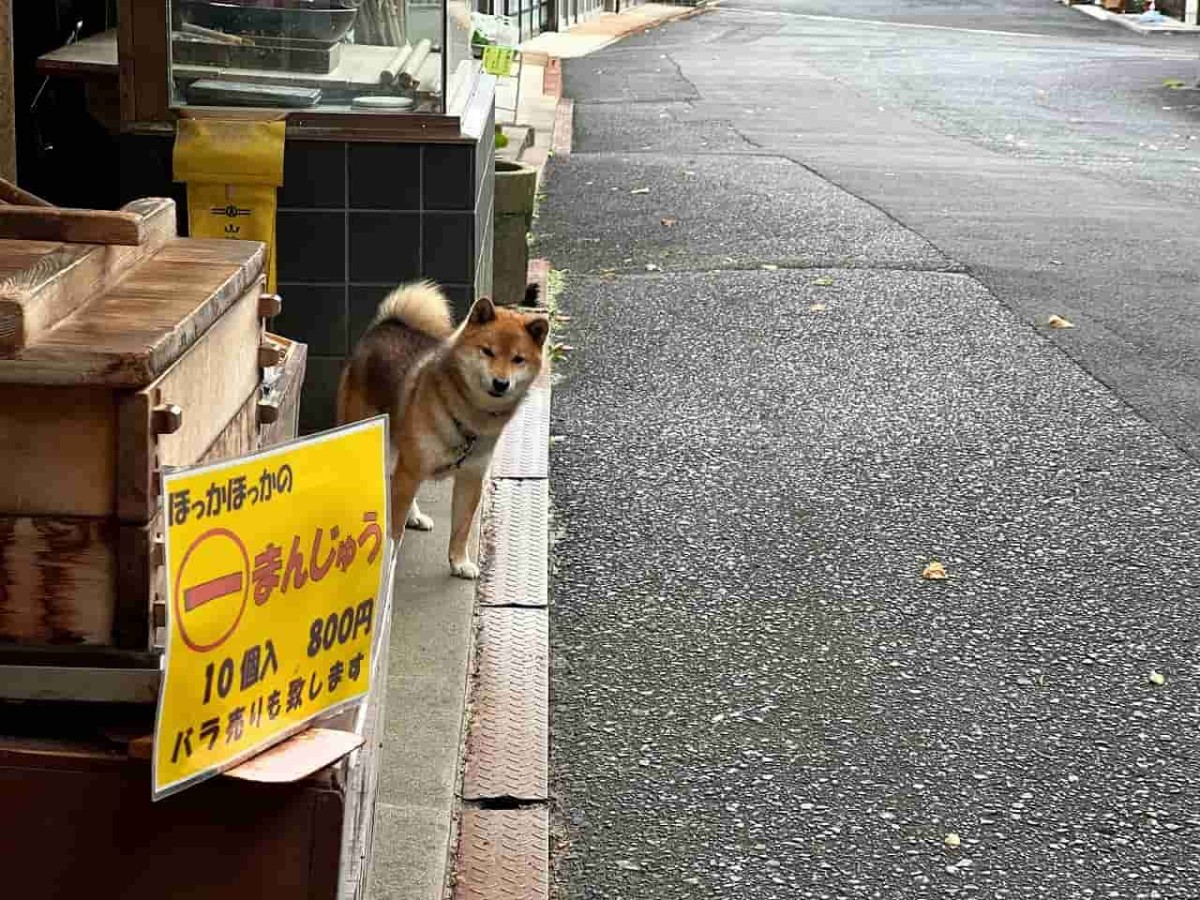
<point x="448" y="391"/>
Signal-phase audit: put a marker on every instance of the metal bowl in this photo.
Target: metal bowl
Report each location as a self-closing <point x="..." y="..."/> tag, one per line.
<point x="312" y="20"/>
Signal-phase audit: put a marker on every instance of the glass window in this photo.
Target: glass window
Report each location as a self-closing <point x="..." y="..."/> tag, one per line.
<point x="385" y="56"/>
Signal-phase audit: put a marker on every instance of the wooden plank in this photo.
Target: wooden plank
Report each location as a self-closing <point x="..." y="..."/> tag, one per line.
<point x="57" y="580"/>
<point x="239" y="437"/>
<point x="135" y="331"/>
<point x="143" y="39"/>
<point x="80" y="226"/>
<point x="18" y="256"/>
<point x="90" y="580"/>
<point x="58" y="449"/>
<point x="10" y="193"/>
<point x="140" y="583"/>
<point x="94" y="55"/>
<point x="214" y="381"/>
<point x="58" y="281"/>
<point x="136" y="459"/>
<point x="282" y="386"/>
<point x="211" y="382"/>
<point x="8" y="112"/>
<point x="78" y="582"/>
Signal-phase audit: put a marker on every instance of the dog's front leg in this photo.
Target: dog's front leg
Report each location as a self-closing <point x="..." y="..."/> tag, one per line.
<point x="404" y="493"/>
<point x="468" y="487"/>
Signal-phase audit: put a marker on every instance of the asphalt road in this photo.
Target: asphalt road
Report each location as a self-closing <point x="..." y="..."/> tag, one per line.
<point x="809" y="261"/>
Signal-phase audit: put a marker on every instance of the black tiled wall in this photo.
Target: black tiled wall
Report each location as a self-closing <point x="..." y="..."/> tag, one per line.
<point x="354" y="220"/>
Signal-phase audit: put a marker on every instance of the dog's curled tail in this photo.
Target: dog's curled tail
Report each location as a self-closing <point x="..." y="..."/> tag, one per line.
<point x="421" y="306"/>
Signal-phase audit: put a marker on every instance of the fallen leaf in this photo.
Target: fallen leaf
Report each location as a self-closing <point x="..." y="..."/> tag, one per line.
<point x="934" y="571"/>
<point x="1158" y="678"/>
<point x="668" y="222"/>
<point x="719" y="717"/>
<point x="653" y="267"/>
<point x="823" y="281"/>
<point x="640" y="191"/>
<point x="1059" y="322"/>
<point x="1173" y="83"/>
<point x="953" y="841"/>
<point x="770" y="267"/>
<point x="818" y="307"/>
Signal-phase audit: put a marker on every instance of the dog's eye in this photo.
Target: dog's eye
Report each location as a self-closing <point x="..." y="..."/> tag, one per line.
<point x="487" y="351"/>
<point x="519" y="360"/>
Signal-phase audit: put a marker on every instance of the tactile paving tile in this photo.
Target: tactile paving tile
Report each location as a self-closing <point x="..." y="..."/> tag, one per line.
<point x="524" y="449"/>
<point x="513" y="544"/>
<point x="503" y="853"/>
<point x="507" y="743"/>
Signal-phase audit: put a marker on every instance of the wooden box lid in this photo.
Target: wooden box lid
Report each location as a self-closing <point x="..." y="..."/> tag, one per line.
<point x="116" y="313"/>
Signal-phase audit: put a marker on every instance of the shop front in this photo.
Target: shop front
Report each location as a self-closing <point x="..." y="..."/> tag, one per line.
<point x="341" y="148"/>
<point x="387" y="147"/>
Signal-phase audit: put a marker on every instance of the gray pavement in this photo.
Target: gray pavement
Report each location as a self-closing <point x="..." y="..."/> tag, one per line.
<point x="1055" y="164"/>
<point x="755" y="694"/>
<point x="429" y="656"/>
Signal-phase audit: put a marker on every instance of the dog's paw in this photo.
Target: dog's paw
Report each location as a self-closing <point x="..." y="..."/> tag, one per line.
<point x="419" y="522"/>
<point x="464" y="569"/>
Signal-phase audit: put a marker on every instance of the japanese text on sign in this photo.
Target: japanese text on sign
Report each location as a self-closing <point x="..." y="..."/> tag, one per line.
<point x="274" y="569"/>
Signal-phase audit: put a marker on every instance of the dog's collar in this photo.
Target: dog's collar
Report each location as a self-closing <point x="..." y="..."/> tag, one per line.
<point x="466" y="444"/>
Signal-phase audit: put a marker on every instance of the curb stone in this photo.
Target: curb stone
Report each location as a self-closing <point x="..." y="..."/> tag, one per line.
<point x="503" y="841"/>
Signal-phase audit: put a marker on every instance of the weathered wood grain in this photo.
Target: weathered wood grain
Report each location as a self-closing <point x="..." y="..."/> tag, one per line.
<point x="57" y="450"/>
<point x="57" y="580"/>
<point x="40" y="286"/>
<point x="282" y="386"/>
<point x="10" y="193"/>
<point x="210" y="383"/>
<point x="79" y="226"/>
<point x="136" y="330"/>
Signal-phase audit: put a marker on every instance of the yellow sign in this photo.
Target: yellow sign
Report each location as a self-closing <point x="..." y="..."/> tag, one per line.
<point x="275" y="566"/>
<point x="232" y="168"/>
<point x="498" y="60"/>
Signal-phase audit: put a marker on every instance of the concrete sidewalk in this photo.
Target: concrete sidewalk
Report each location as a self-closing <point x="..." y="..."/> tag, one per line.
<point x="606" y="28"/>
<point x="533" y="116"/>
<point x="429" y="663"/>
<point x="1132" y="21"/>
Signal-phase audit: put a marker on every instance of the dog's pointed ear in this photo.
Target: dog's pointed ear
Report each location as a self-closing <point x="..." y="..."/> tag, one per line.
<point x="538" y="327"/>
<point x="483" y="311"/>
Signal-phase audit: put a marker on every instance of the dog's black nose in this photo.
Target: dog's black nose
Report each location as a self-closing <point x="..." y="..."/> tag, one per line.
<point x="499" y="385"/>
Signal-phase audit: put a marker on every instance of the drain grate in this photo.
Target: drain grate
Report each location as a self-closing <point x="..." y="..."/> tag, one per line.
<point x="524" y="448"/>
<point x="507" y="743"/>
<point x="503" y="853"/>
<point x="513" y="544"/>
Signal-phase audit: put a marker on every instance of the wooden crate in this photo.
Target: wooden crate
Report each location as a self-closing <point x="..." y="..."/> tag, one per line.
<point x="98" y="581"/>
<point x="116" y="360"/>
